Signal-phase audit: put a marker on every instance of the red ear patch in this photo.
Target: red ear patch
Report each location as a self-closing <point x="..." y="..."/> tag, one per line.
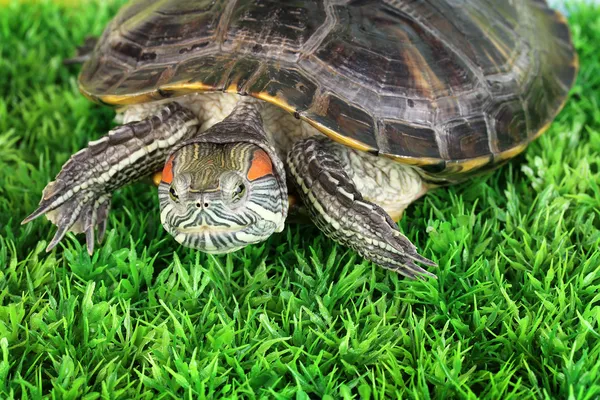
<point x="167" y="172"/>
<point x="261" y="165"/>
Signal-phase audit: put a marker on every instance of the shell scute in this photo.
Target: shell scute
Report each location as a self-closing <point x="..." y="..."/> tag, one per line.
<point x="202" y="70"/>
<point x="273" y="28"/>
<point x="393" y="53"/>
<point x="289" y="84"/>
<point x="466" y="136"/>
<point x="337" y="115"/>
<point x="409" y="140"/>
<point x="510" y="118"/>
<point x="449" y="86"/>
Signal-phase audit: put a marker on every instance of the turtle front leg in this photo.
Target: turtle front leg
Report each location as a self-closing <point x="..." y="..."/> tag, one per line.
<point x="344" y="215"/>
<point x="78" y="200"/>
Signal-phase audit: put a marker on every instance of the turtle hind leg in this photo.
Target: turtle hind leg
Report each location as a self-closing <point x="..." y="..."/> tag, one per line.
<point x="78" y="200"/>
<point x="345" y="215"/>
<point x="84" y="51"/>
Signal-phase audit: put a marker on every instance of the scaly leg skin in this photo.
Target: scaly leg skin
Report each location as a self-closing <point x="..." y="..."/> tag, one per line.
<point x="341" y="212"/>
<point x="78" y="200"/>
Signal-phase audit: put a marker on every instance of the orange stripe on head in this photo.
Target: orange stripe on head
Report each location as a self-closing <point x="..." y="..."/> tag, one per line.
<point x="167" y="172"/>
<point x="260" y="166"/>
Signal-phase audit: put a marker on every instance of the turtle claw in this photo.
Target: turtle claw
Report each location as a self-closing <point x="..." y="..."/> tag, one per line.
<point x="83" y="211"/>
<point x="102" y="217"/>
<point x="402" y="255"/>
<point x="48" y="199"/>
<point x="80" y="216"/>
<point x="96" y="217"/>
<point x="60" y="234"/>
<point x="89" y="222"/>
<point x="39" y="211"/>
<point x="89" y="239"/>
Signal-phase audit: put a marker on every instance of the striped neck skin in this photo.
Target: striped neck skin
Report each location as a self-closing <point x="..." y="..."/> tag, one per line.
<point x="219" y="198"/>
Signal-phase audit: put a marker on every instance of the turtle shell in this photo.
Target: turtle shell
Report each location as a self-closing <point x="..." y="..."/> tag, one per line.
<point x="448" y="85"/>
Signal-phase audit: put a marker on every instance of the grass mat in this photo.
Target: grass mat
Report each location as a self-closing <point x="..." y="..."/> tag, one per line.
<point x="514" y="314"/>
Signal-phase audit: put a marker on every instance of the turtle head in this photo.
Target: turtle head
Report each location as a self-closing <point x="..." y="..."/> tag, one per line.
<point x="218" y="198"/>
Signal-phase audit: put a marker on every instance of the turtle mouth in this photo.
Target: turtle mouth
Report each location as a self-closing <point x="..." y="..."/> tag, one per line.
<point x="217" y="239"/>
<point x="211" y="229"/>
<point x="212" y="239"/>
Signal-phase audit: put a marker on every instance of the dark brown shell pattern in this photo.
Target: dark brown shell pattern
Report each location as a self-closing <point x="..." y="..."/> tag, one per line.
<point x="452" y="86"/>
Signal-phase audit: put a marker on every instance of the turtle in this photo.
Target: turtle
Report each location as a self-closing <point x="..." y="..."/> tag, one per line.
<point x="251" y="110"/>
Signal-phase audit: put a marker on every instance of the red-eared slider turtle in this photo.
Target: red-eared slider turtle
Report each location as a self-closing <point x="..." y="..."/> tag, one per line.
<point x="360" y="106"/>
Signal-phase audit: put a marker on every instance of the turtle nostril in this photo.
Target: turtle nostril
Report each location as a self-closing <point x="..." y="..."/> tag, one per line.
<point x="198" y="205"/>
<point x="205" y="205"/>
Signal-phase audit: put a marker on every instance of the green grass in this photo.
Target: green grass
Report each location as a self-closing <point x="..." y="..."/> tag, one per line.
<point x="514" y="314"/>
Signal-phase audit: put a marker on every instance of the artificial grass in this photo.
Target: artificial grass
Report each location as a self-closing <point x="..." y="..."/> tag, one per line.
<point x="514" y="314"/>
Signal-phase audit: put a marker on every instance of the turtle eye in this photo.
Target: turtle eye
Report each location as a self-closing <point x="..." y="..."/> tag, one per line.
<point x="173" y="195"/>
<point x="238" y="192"/>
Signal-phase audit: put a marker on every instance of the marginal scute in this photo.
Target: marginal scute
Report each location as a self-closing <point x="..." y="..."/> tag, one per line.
<point x="406" y="140"/>
<point x="537" y="102"/>
<point x="242" y="75"/>
<point x="288" y="84"/>
<point x="510" y="118"/>
<point x="151" y="75"/>
<point x="343" y="117"/>
<point x="202" y="70"/>
<point x="442" y="84"/>
<point x="467" y="136"/>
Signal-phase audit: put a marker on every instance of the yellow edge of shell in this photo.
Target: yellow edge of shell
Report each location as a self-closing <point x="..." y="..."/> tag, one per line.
<point x="181" y="88"/>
